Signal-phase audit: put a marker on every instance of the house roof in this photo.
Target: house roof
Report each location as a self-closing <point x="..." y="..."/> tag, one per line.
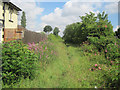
<point x="12" y="5"/>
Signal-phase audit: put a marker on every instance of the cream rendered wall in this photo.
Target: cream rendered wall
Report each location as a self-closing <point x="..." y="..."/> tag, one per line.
<point x="1" y="16"/>
<point x="1" y="10"/>
<point x="8" y="24"/>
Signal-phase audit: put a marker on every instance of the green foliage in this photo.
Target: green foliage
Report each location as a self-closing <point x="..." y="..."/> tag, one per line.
<point x="44" y="50"/>
<point x="103" y="39"/>
<point x="112" y="51"/>
<point x="89" y="23"/>
<point x="104" y="27"/>
<point x="56" y="31"/>
<point x="95" y="28"/>
<point x="112" y="75"/>
<point x="17" y="62"/>
<point x="23" y="19"/>
<point x="47" y="28"/>
<point x="99" y="32"/>
<point x="68" y="33"/>
<point x="103" y="34"/>
<point x="102" y="16"/>
<point x="93" y="64"/>
<point x="78" y="32"/>
<point x="43" y="33"/>
<point x="107" y="61"/>
<point x="73" y="33"/>
<point x="109" y="47"/>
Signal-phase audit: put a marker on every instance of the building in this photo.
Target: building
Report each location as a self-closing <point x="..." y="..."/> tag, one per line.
<point x="9" y="21"/>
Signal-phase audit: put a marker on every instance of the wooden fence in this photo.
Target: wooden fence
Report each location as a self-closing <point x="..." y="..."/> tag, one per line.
<point x="30" y="36"/>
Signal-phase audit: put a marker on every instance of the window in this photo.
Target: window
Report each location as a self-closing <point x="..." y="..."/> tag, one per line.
<point x="10" y="14"/>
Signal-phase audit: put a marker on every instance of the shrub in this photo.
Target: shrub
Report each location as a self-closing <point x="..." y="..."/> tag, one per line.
<point x="88" y="48"/>
<point x="110" y="47"/>
<point x="112" y="51"/>
<point x="112" y="76"/>
<point x="17" y="62"/>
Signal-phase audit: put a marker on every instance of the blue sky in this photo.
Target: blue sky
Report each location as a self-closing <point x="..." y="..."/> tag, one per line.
<point x="50" y="6"/>
<point x="60" y="14"/>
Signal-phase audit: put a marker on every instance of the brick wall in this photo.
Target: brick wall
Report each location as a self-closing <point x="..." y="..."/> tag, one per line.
<point x="12" y="34"/>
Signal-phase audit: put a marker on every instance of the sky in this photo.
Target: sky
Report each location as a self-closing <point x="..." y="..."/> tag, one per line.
<point x="59" y="13"/>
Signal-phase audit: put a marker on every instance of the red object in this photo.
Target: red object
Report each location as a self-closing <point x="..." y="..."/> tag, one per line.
<point x="95" y="65"/>
<point x="99" y="68"/>
<point x="105" y="50"/>
<point x="105" y="26"/>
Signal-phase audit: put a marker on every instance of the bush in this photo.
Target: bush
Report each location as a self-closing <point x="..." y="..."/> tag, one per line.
<point x="112" y="51"/>
<point x="17" y="62"/>
<point x="112" y="75"/>
<point x="109" y="47"/>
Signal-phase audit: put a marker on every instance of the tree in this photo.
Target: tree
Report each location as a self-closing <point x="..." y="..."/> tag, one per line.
<point x="23" y="20"/>
<point x="104" y="27"/>
<point x="91" y="28"/>
<point x="74" y="34"/>
<point x="88" y="24"/>
<point x="102" y="16"/>
<point x="103" y="34"/>
<point x="56" y="31"/>
<point x="47" y="28"/>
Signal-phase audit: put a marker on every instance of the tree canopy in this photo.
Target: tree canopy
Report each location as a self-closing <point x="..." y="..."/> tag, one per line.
<point x="47" y="28"/>
<point x="90" y="26"/>
<point x="56" y="31"/>
<point x="23" y="20"/>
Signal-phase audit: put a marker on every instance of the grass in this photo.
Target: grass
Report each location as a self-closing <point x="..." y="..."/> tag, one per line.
<point x="70" y="69"/>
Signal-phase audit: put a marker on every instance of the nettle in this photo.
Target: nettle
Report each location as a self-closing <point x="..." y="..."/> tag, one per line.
<point x="17" y="61"/>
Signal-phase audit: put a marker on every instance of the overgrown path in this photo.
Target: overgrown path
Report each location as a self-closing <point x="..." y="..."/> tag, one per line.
<point x="69" y="70"/>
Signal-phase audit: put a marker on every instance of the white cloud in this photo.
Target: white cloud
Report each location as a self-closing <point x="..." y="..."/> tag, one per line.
<point x="32" y="11"/>
<point x="62" y="16"/>
<point x="19" y="1"/>
<point x="73" y="9"/>
<point x="67" y="0"/>
<point x="69" y="14"/>
<point x="115" y="29"/>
